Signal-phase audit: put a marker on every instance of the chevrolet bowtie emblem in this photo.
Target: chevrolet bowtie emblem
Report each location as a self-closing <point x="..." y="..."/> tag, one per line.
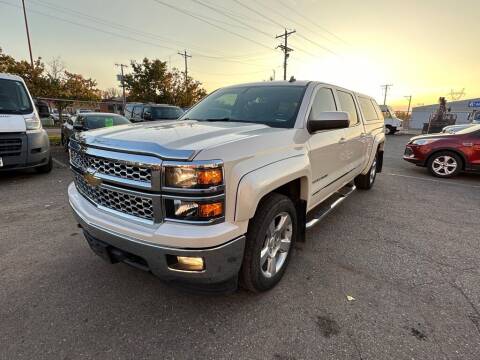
<point x="91" y="179"/>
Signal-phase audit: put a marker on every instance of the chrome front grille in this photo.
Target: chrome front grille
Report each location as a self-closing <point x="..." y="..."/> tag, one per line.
<point x="110" y="167"/>
<point x="126" y="202"/>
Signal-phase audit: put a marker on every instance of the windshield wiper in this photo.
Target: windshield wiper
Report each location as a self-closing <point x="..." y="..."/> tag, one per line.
<point x="218" y="119"/>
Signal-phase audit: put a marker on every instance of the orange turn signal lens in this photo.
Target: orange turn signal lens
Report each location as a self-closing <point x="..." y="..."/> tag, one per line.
<point x="210" y="176"/>
<point x="210" y="210"/>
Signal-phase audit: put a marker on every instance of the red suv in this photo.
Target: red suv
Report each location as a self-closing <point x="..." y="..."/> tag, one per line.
<point x="446" y="155"/>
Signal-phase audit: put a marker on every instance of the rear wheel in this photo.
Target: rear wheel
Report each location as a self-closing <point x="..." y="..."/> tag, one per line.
<point x="365" y="181"/>
<point x="271" y="234"/>
<point x="445" y="164"/>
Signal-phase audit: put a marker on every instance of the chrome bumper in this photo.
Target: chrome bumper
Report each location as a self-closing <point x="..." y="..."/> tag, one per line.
<point x="222" y="263"/>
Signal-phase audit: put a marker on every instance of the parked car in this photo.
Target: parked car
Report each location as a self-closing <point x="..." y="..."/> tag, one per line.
<point x="392" y="122"/>
<point x="224" y="192"/>
<point x="56" y="116"/>
<point x="446" y="155"/>
<point x="452" y="129"/>
<point x="151" y="112"/>
<point x="23" y="141"/>
<point x="83" y="111"/>
<point x="89" y="121"/>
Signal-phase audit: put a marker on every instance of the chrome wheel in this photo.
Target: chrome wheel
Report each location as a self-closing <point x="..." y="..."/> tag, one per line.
<point x="276" y="245"/>
<point x="444" y="165"/>
<point x="373" y="170"/>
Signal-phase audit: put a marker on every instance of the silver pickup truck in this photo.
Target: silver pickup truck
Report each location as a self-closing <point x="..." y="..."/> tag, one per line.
<point x="222" y="194"/>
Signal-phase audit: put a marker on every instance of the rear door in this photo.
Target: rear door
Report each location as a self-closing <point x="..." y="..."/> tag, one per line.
<point x="137" y="114"/>
<point x="324" y="148"/>
<point x="355" y="146"/>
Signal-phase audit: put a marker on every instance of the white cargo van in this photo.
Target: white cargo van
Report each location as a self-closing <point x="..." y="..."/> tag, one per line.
<point x="23" y="142"/>
<point x="392" y="122"/>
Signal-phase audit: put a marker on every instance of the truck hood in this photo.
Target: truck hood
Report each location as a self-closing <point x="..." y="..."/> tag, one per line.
<point x="180" y="140"/>
<point x="12" y="123"/>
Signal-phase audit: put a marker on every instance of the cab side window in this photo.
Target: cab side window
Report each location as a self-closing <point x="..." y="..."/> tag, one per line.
<point x="348" y="104"/>
<point x="324" y="101"/>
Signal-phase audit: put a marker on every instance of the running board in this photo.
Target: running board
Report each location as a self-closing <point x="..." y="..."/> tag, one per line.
<point x="326" y="207"/>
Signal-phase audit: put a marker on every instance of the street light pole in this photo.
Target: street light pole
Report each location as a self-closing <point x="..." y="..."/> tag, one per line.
<point x="28" y="33"/>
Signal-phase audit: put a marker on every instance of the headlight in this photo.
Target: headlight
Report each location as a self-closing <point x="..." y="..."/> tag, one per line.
<point x="193" y="210"/>
<point x="423" y="141"/>
<point x="33" y="122"/>
<point x="193" y="176"/>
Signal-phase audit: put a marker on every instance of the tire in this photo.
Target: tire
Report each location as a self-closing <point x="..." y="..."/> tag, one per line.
<point x="445" y="164"/>
<point x="365" y="182"/>
<point x="266" y="257"/>
<point x="390" y="130"/>
<point x="45" y="169"/>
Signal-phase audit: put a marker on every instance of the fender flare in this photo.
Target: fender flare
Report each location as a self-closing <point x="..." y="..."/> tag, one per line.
<point x="254" y="185"/>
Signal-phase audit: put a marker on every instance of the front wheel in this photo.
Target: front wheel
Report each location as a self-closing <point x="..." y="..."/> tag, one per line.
<point x="390" y="130"/>
<point x="445" y="164"/>
<point x="45" y="169"/>
<point x="271" y="234"/>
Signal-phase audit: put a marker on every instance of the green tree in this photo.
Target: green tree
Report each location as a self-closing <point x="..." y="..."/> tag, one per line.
<point x="151" y="81"/>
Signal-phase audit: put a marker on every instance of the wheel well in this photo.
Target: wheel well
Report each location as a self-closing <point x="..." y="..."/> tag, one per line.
<point x="462" y="157"/>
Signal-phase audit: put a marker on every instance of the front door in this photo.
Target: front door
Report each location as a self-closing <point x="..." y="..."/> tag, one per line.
<point x="325" y="149"/>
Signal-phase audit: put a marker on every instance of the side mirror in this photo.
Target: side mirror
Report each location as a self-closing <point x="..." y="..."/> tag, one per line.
<point x="329" y="120"/>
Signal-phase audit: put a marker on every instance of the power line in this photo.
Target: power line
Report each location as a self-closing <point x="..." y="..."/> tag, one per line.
<point x="280" y="25"/>
<point x="310" y="21"/>
<point x="286" y="50"/>
<point x="188" y="13"/>
<point x="231" y="17"/>
<point x="126" y="37"/>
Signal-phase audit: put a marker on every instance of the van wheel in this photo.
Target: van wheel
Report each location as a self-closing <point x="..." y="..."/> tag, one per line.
<point x="445" y="164"/>
<point x="390" y="130"/>
<point x="365" y="182"/>
<point x="271" y="234"/>
<point x="45" y="169"/>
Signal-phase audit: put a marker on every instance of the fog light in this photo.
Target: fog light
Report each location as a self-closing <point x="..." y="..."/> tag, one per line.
<point x="185" y="263"/>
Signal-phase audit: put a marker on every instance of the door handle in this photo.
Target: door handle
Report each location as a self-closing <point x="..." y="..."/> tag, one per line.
<point x="342" y="140"/>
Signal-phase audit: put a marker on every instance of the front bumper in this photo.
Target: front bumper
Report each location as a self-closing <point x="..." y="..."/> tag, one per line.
<point x="222" y="263"/>
<point x="34" y="150"/>
<point x="414" y="154"/>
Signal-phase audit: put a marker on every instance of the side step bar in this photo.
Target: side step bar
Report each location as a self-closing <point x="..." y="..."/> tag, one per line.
<point x="326" y="207"/>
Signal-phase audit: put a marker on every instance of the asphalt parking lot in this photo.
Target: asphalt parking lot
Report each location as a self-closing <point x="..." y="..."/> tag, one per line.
<point x="407" y="251"/>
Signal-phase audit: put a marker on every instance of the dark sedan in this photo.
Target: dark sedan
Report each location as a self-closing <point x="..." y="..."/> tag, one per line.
<point x="89" y="121"/>
<point x="446" y="155"/>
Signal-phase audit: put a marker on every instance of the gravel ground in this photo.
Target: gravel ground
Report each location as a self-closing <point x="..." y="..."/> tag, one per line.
<point x="407" y="251"/>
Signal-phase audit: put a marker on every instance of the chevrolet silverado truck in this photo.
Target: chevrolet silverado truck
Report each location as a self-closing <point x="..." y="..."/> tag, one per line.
<point x="221" y="195"/>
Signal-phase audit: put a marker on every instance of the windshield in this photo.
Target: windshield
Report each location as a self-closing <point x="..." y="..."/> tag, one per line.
<point x="166" y="113"/>
<point x="100" y="121"/>
<point x="275" y="106"/>
<point x="14" y="98"/>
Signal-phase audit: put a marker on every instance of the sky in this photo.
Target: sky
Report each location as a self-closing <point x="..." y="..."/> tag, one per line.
<point x="423" y="48"/>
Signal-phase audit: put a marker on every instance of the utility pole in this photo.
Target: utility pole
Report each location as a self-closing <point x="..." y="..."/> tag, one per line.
<point x="386" y="87"/>
<point x="123" y="84"/>
<point x="286" y="50"/>
<point x="272" y="78"/>
<point x="28" y="33"/>
<point x="186" y="56"/>
<point x="409" y="97"/>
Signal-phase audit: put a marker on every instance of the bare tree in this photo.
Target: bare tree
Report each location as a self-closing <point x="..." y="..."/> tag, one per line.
<point x="55" y="68"/>
<point x="111" y="93"/>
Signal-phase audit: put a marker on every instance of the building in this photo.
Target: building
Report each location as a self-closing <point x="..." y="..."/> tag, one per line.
<point x="112" y="105"/>
<point x="462" y="108"/>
